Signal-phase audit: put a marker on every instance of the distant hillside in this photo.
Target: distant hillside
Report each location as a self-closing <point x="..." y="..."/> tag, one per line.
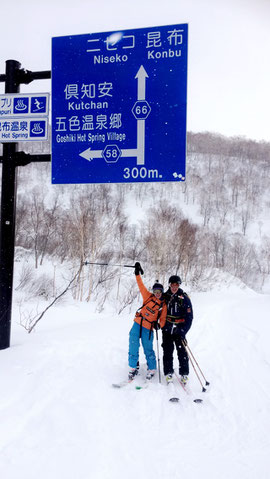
<point x="238" y="147"/>
<point x="217" y="220"/>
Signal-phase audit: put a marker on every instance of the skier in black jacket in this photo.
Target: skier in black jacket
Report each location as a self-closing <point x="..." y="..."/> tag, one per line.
<point x="178" y="322"/>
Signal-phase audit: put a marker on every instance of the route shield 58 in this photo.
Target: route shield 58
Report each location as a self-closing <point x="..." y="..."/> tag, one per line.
<point x="119" y="106"/>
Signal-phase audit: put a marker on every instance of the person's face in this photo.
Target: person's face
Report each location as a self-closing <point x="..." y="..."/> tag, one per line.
<point x="157" y="293"/>
<point x="174" y="287"/>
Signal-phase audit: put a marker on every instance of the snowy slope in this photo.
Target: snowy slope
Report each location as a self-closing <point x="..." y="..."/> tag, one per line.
<point x="60" y="417"/>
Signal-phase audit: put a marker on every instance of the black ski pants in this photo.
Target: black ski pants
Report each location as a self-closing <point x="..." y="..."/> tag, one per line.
<point x="169" y="339"/>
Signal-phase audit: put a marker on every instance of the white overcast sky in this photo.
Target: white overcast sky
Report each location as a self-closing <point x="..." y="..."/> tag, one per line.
<point x="229" y="50"/>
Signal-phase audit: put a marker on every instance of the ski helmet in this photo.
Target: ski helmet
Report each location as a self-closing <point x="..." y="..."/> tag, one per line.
<point x="158" y="286"/>
<point x="175" y="279"/>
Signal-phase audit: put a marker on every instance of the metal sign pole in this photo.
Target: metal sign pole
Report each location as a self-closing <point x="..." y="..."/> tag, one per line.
<point x="7" y="226"/>
<point x="10" y="159"/>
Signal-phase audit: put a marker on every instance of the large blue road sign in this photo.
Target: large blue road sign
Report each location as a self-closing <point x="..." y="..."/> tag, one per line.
<point x="119" y="106"/>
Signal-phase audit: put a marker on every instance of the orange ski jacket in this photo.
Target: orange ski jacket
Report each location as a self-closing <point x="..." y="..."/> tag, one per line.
<point x="152" y="308"/>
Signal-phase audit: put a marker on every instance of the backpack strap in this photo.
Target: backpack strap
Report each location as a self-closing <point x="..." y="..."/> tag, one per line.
<point x="145" y="319"/>
<point x="146" y="302"/>
<point x="178" y="299"/>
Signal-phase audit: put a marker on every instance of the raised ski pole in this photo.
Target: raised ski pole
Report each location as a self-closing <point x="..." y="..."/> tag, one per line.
<point x="109" y="264"/>
<point x="186" y="346"/>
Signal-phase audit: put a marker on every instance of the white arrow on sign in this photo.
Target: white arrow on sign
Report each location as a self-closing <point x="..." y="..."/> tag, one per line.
<point x="129" y="153"/>
<point x="89" y="154"/>
<point x="140" y="141"/>
<point x="139" y="151"/>
<point x="141" y="76"/>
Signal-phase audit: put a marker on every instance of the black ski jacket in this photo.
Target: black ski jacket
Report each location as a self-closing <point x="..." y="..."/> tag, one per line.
<point x="179" y="312"/>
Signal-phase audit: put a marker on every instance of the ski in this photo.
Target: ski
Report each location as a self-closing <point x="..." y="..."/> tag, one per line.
<point x="187" y="390"/>
<point x="173" y="396"/>
<point x="122" y="383"/>
<point x="145" y="383"/>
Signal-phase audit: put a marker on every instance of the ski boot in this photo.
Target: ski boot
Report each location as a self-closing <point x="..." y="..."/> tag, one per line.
<point x="184" y="379"/>
<point x="133" y="372"/>
<point x="150" y="374"/>
<point x="169" y="378"/>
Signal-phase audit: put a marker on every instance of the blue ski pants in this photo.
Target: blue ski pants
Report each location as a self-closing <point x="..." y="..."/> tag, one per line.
<point x="147" y="344"/>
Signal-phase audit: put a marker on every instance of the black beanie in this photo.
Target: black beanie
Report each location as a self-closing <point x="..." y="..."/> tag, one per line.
<point x="158" y="286"/>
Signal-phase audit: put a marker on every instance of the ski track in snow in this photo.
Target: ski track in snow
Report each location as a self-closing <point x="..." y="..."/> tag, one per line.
<point x="60" y="416"/>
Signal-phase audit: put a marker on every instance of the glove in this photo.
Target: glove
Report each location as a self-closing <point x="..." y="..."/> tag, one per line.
<point x="138" y="269"/>
<point x="184" y="341"/>
<point x="180" y="332"/>
<point x="156" y="325"/>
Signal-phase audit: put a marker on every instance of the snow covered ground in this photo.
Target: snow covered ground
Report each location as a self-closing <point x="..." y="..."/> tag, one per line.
<point x="61" y="418"/>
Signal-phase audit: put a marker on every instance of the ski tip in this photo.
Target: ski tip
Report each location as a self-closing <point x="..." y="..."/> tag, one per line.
<point x="198" y="401"/>
<point x="116" y="386"/>
<point x="174" y="399"/>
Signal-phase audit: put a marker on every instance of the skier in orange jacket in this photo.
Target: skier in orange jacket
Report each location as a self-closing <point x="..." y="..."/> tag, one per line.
<point x="146" y="319"/>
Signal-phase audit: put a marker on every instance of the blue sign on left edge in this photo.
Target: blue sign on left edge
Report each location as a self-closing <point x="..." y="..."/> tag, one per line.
<point x="119" y="106"/>
<point x="24" y="105"/>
